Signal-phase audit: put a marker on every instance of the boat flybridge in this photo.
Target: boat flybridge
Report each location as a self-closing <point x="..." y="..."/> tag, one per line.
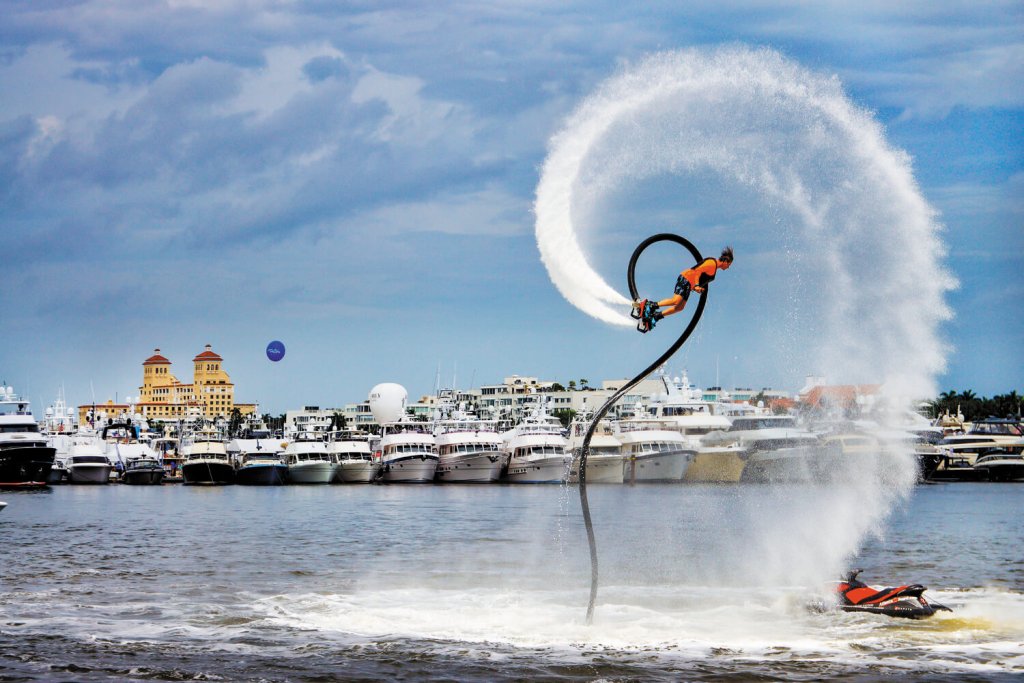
<point x="536" y="450"/>
<point x="468" y="447"/>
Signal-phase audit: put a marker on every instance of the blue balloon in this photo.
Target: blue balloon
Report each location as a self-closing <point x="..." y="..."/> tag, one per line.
<point x="275" y="351"/>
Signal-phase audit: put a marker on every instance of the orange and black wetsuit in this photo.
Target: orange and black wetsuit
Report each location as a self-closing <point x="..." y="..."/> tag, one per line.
<point x="698" y="276"/>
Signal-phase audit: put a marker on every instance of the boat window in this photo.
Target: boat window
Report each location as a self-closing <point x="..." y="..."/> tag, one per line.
<point x="10" y="429"/>
<point x="89" y="459"/>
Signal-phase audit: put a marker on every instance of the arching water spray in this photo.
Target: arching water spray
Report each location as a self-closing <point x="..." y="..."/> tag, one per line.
<point x="853" y="217"/>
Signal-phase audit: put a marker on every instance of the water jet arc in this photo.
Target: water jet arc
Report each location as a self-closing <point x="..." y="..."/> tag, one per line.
<point x="584" y="451"/>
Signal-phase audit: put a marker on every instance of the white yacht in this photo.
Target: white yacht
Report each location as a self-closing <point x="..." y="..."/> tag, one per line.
<point x="206" y="459"/>
<point x="536" y="450"/>
<point x="258" y="460"/>
<point x="682" y="407"/>
<point x="308" y="460"/>
<point x="25" y="456"/>
<point x="408" y="452"/>
<point x="1002" y="464"/>
<point x="992" y="436"/>
<point x="777" y="449"/>
<point x="354" y="462"/>
<point x="468" y="448"/>
<point x="652" y="451"/>
<point x="87" y="460"/>
<point x="604" y="461"/>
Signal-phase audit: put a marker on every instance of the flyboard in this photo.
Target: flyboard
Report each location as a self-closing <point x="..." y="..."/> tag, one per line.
<point x="585" y="450"/>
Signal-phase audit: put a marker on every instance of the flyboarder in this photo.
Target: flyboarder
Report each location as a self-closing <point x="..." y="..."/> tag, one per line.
<point x="696" y="279"/>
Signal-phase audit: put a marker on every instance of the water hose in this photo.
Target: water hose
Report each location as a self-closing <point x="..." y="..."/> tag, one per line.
<point x="585" y="450"/>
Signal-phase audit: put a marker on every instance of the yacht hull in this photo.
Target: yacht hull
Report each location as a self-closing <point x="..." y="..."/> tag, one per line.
<point x="144" y="477"/>
<point x="413" y="470"/>
<point x="262" y="475"/>
<point x="356" y="472"/>
<point x="542" y="471"/>
<point x="601" y="469"/>
<point x="474" y="468"/>
<point x="26" y="467"/>
<point x="89" y="473"/>
<point x="1009" y="468"/>
<point x="716" y="467"/>
<point x="317" y="472"/>
<point x="207" y="473"/>
<point x="666" y="466"/>
<point x="787" y="465"/>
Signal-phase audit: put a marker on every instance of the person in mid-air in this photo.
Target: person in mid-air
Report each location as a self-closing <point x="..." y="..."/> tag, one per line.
<point x="696" y="279"/>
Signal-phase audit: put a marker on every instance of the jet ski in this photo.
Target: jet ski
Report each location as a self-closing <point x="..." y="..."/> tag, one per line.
<point x="902" y="601"/>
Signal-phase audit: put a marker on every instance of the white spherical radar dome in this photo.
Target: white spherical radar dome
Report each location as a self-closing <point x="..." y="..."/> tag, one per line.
<point x="387" y="402"/>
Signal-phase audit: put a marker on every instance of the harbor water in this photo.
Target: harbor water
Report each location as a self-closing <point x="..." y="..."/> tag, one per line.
<point x="491" y="582"/>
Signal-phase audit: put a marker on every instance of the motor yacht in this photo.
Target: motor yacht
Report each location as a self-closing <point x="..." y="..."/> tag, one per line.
<point x="536" y="450"/>
<point x="143" y="470"/>
<point x="468" y="448"/>
<point x="777" y="449"/>
<point x="408" y="452"/>
<point x="353" y="459"/>
<point x="965" y="449"/>
<point x="652" y="452"/>
<point x="25" y="456"/>
<point x="308" y="460"/>
<point x="87" y="461"/>
<point x="1002" y="464"/>
<point x="604" y="461"/>
<point x="259" y="460"/>
<point x="206" y="459"/>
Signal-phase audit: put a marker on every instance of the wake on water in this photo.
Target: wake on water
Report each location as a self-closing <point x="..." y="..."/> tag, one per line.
<point x="852" y="216"/>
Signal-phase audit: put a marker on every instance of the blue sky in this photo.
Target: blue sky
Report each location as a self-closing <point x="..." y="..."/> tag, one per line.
<point x="357" y="181"/>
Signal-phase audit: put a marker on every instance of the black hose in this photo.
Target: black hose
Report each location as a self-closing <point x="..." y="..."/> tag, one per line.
<point x="584" y="451"/>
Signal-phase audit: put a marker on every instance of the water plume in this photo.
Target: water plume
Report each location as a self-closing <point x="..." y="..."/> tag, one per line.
<point x="851" y="212"/>
<point x="861" y="248"/>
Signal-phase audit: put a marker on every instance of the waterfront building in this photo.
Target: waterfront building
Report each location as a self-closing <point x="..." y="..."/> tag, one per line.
<point x="164" y="397"/>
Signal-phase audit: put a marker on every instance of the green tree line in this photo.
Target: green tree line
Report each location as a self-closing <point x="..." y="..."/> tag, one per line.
<point x="975" y="407"/>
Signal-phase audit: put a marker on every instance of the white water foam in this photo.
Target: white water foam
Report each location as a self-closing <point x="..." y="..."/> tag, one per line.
<point x="696" y="623"/>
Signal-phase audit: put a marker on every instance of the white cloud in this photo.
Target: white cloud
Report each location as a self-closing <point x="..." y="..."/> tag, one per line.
<point x="43" y="78"/>
<point x="268" y="88"/>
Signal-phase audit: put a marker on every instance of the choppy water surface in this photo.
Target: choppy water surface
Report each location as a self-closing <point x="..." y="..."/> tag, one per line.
<point x="488" y="583"/>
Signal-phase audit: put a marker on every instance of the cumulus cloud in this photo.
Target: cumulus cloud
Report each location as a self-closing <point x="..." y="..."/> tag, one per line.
<point x="174" y="137"/>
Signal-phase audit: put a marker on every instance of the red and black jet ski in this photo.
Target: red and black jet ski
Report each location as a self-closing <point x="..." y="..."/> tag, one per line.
<point x="902" y="601"/>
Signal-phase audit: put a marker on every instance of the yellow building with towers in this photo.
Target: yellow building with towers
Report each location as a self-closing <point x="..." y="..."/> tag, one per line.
<point x="163" y="396"/>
